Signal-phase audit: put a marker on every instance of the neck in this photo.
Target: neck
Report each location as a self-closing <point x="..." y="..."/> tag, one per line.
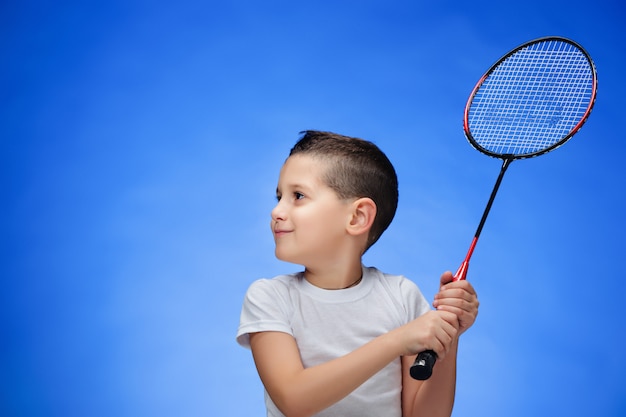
<point x="354" y="284"/>
<point x="337" y="278"/>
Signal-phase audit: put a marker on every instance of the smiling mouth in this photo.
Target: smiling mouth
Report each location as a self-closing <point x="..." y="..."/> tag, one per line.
<point x="279" y="232"/>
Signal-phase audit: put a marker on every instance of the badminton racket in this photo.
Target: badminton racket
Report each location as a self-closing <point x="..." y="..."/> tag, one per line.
<point x="530" y="102"/>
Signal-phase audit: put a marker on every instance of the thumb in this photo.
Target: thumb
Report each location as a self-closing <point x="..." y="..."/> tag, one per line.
<point x="446" y="277"/>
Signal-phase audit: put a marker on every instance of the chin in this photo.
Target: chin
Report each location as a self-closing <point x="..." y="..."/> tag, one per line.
<point x="286" y="257"/>
<point x="282" y="256"/>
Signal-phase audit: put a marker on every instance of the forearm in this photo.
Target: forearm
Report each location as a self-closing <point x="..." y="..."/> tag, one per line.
<point x="306" y="391"/>
<point x="435" y="396"/>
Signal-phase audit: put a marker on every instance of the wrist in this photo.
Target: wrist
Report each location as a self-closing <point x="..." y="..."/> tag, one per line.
<point x="399" y="342"/>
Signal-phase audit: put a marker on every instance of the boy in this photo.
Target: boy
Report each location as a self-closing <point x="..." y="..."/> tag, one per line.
<point x="338" y="339"/>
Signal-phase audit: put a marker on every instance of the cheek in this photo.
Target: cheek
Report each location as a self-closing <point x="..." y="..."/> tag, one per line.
<point x="324" y="224"/>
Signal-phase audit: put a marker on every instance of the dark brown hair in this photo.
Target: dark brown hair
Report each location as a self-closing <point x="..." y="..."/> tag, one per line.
<point x="356" y="168"/>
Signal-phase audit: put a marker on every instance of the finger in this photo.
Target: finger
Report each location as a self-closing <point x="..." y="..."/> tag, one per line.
<point x="440" y="340"/>
<point x="446" y="277"/>
<point x="457" y="311"/>
<point x="448" y="333"/>
<point x="452" y="291"/>
<point x="449" y="318"/>
<point x="466" y="318"/>
<point x="462" y="285"/>
<point x="460" y="308"/>
<point x="463" y="316"/>
<point x="453" y="297"/>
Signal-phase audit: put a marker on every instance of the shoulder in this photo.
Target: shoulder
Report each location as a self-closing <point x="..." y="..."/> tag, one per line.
<point x="272" y="293"/>
<point x="267" y="306"/>
<point x="403" y="291"/>
<point x="396" y="283"/>
<point x="277" y="284"/>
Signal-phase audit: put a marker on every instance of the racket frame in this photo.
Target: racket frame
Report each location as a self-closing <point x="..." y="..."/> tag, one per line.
<point x="572" y="132"/>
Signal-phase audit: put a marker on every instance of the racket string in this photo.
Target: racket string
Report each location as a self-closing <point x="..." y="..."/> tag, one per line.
<point x="532" y="100"/>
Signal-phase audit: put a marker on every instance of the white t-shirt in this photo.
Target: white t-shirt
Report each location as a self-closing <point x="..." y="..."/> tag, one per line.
<point x="327" y="324"/>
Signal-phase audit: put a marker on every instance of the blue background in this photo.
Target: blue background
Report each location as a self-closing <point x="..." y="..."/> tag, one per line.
<point x="141" y="143"/>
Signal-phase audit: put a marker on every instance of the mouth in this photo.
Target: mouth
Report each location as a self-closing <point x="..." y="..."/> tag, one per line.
<point x="280" y="232"/>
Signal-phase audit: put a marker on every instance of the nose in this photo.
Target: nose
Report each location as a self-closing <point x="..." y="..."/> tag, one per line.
<point x="278" y="212"/>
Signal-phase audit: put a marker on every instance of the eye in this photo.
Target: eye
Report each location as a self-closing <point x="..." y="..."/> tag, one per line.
<point x="278" y="197"/>
<point x="298" y="196"/>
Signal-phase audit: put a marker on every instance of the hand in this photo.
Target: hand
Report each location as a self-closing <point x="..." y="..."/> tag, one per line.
<point x="434" y="330"/>
<point x="458" y="297"/>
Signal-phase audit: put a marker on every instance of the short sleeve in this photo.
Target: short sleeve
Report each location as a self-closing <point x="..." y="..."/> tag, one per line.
<point x="264" y="309"/>
<point x="412" y="298"/>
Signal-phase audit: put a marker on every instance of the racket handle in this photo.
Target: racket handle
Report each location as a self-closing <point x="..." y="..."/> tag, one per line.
<point x="422" y="368"/>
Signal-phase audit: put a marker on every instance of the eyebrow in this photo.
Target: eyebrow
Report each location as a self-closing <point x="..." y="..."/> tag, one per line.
<point x="295" y="186"/>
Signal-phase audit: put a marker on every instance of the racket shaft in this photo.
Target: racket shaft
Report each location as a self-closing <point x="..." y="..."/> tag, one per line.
<point x="422" y="368"/>
<point x="505" y="164"/>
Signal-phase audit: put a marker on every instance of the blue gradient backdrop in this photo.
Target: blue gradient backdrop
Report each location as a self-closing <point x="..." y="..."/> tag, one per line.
<point x="141" y="143"/>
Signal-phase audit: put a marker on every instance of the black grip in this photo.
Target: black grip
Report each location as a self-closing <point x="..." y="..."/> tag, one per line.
<point x="422" y="368"/>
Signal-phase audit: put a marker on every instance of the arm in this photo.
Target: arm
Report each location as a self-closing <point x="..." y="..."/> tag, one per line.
<point x="435" y="396"/>
<point x="299" y="391"/>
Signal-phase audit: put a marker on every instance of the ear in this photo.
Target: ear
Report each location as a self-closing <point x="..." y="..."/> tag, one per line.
<point x="362" y="216"/>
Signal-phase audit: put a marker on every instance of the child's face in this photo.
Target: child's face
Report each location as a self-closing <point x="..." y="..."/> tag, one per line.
<point x="309" y="222"/>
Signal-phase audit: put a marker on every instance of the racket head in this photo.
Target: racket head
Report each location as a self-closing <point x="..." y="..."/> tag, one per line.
<point x="532" y="100"/>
